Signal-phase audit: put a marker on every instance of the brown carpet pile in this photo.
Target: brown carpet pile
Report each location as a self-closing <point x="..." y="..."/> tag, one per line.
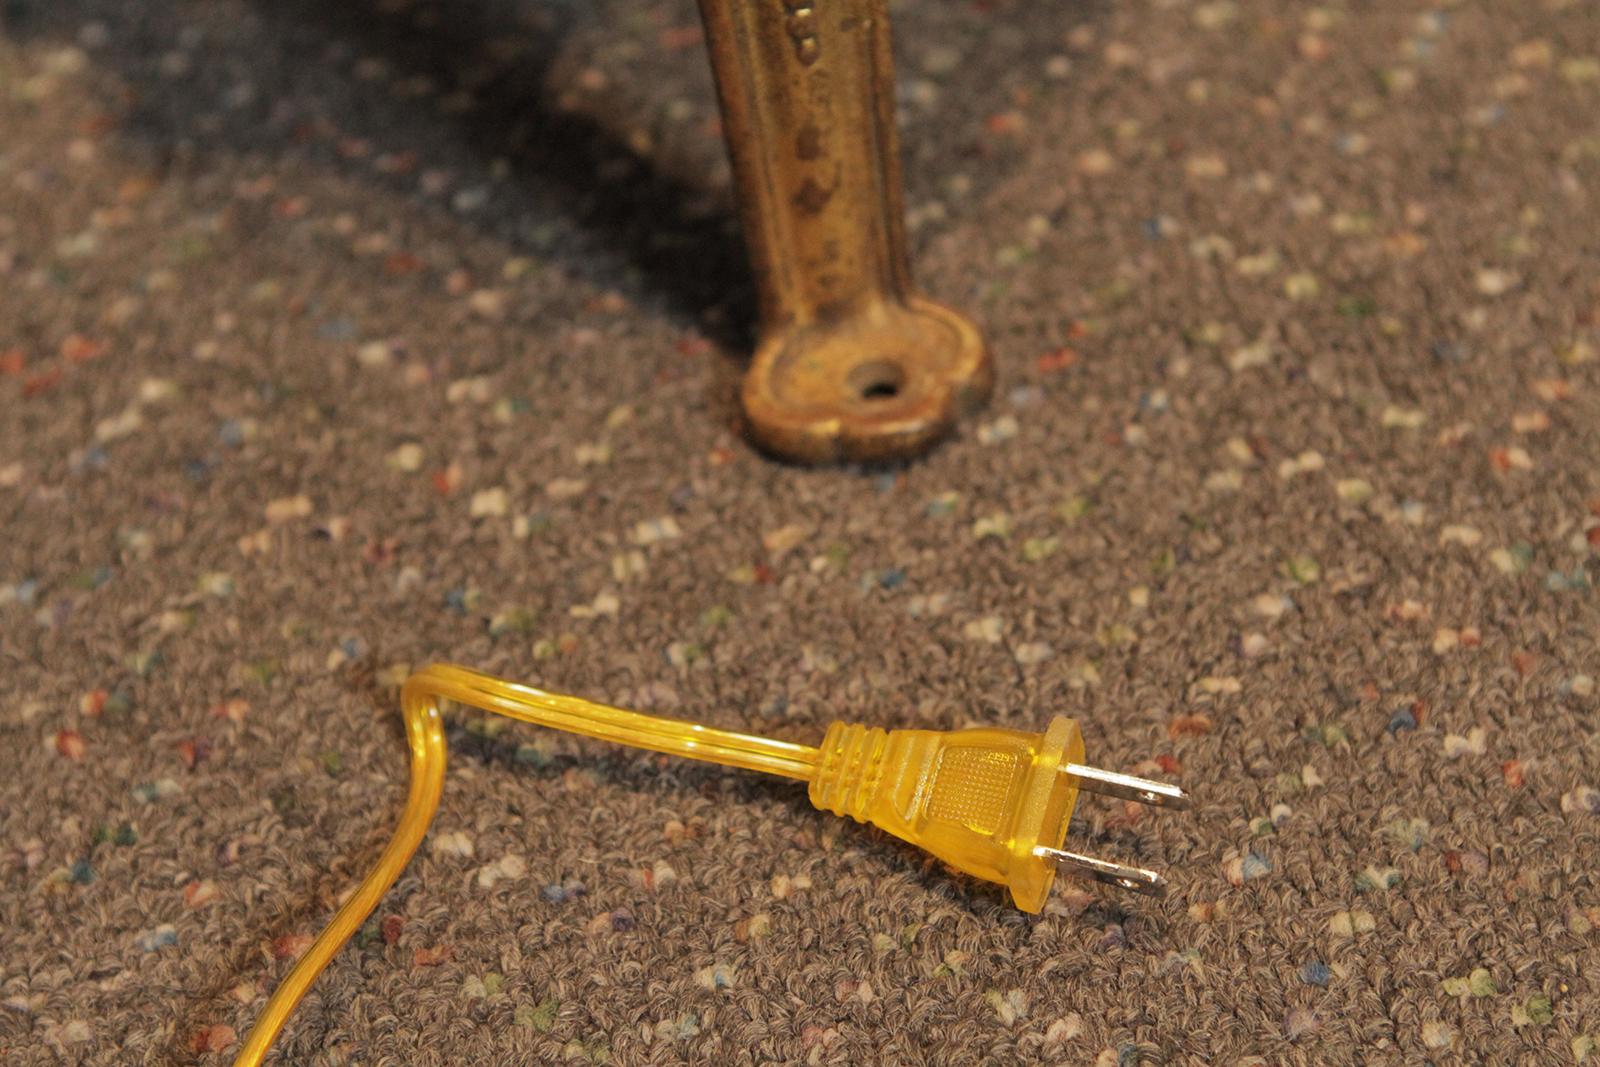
<point x="336" y="338"/>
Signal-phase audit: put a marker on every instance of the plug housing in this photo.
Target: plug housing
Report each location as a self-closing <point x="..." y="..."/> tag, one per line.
<point x="983" y="800"/>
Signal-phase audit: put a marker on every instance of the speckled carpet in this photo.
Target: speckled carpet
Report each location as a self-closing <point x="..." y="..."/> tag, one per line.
<point x="341" y="337"/>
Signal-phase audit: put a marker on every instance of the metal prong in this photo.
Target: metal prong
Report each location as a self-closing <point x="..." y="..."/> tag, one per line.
<point x="1135" y="878"/>
<point x="1128" y="787"/>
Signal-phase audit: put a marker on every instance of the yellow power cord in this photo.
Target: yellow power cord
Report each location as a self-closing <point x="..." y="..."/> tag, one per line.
<point x="993" y="803"/>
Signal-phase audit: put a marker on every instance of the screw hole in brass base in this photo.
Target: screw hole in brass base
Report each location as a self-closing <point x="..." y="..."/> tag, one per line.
<point x="878" y="379"/>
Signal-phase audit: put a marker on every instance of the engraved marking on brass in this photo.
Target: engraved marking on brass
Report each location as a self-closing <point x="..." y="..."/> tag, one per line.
<point x="802" y="28"/>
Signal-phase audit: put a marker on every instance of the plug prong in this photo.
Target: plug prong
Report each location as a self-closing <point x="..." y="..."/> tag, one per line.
<point x="1127" y="787"/>
<point x="1137" y="879"/>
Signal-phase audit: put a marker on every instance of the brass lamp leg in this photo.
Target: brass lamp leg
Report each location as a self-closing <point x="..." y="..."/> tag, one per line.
<point x="851" y="362"/>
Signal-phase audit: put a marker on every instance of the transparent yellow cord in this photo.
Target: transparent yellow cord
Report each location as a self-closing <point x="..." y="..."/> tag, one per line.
<point x="420" y="698"/>
<point x="993" y="803"/>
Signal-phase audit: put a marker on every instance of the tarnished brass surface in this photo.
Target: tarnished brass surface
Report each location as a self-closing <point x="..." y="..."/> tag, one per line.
<point x="851" y="363"/>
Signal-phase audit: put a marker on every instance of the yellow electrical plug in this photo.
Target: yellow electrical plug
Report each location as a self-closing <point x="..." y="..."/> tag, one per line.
<point x="990" y="802"/>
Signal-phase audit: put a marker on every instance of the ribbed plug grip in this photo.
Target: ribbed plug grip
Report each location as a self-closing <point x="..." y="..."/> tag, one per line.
<point x="850" y="769"/>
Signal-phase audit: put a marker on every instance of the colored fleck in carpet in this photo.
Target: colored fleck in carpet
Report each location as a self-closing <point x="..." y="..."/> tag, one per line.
<point x="340" y="338"/>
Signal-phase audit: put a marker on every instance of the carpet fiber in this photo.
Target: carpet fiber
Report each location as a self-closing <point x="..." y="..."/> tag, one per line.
<point x="337" y="338"/>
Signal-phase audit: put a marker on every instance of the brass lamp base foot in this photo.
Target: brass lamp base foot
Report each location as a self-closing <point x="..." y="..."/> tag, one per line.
<point x="883" y="383"/>
<point x="852" y="364"/>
